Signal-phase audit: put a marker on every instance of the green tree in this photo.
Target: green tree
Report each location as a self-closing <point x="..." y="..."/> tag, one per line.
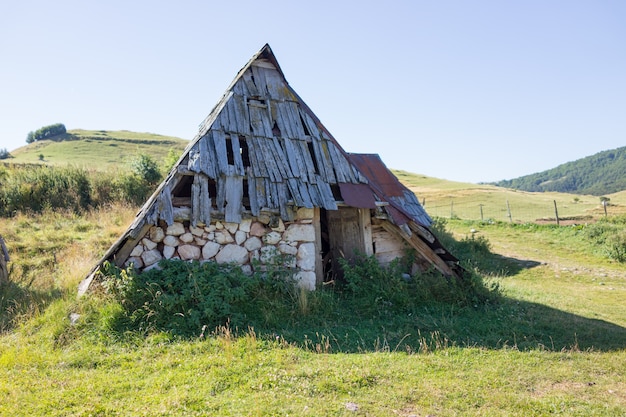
<point x="146" y="168"/>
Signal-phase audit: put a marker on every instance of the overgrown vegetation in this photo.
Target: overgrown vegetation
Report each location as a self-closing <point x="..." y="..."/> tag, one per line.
<point x="35" y="188"/>
<point x="609" y="237"/>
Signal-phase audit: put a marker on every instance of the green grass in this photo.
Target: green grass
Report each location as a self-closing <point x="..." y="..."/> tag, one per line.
<point x="100" y="150"/>
<point x="554" y="345"/>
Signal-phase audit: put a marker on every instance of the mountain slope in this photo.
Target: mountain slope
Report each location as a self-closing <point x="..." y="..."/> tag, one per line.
<point x="599" y="174"/>
<point x="97" y="149"/>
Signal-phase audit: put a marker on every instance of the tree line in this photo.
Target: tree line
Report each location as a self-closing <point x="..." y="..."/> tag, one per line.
<point x="46" y="132"/>
<point x="599" y="174"/>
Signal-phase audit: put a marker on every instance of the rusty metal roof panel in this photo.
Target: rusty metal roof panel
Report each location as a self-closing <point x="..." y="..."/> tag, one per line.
<point x="357" y="195"/>
<point x="404" y="204"/>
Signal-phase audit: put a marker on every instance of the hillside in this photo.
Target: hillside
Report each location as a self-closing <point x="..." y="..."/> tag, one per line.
<point x="599" y="174"/>
<point x="96" y="149"/>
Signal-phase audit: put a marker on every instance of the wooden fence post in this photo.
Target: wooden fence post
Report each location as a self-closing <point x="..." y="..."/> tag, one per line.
<point x="508" y="209"/>
<point x="556" y="214"/>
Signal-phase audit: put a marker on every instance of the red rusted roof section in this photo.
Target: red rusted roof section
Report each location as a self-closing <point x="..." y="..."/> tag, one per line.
<point x="357" y="195"/>
<point x="375" y="170"/>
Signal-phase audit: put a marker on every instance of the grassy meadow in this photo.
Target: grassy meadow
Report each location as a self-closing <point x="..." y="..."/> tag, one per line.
<point x="96" y="149"/>
<point x="553" y="341"/>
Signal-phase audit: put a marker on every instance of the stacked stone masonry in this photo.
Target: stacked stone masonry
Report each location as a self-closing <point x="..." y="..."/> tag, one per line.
<point x="234" y="243"/>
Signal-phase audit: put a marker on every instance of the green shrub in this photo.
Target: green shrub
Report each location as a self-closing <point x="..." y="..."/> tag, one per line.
<point x="609" y="237"/>
<point x="46" y="132"/>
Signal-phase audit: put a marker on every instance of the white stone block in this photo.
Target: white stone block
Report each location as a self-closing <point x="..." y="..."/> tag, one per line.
<point x="300" y="233"/>
<point x="137" y="251"/>
<point x="304" y="213"/>
<point x="186" y="237"/>
<point x="267" y="254"/>
<point x="151" y="257"/>
<point x="187" y="252"/>
<point x="175" y="229"/>
<point x="223" y="237"/>
<point x="306" y="280"/>
<point x="148" y="244"/>
<point x="168" y="251"/>
<point x="210" y="250"/>
<point x="240" y="237"/>
<point x="272" y="238"/>
<point x="253" y="244"/>
<point x="171" y="241"/>
<point x="245" y="224"/>
<point x="156" y="234"/>
<point x="305" y="259"/>
<point x="232" y="254"/>
<point x="287" y="249"/>
<point x="136" y="262"/>
<point x="196" y="231"/>
<point x="231" y="227"/>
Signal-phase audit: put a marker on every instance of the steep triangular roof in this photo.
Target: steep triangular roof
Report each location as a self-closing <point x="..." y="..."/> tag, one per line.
<point x="262" y="149"/>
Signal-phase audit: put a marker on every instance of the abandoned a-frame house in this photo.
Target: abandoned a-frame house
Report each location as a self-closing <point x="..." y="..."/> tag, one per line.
<point x="262" y="177"/>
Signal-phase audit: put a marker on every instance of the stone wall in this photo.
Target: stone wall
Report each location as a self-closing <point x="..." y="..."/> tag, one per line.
<point x="258" y="239"/>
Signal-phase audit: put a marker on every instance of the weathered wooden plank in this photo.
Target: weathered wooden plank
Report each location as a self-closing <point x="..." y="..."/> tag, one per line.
<point x="208" y="163"/>
<point x="294" y="191"/>
<point x="219" y="142"/>
<point x="283" y="200"/>
<point x="324" y="163"/>
<point x="259" y="119"/>
<point x="193" y="162"/>
<point x="253" y="196"/>
<point x="294" y="158"/>
<point x="293" y="114"/>
<point x="280" y="157"/>
<point x="309" y="122"/>
<point x="343" y="169"/>
<point x="234" y="142"/>
<point x="326" y="194"/>
<point x="243" y="116"/>
<point x="165" y="207"/>
<point x="309" y="165"/>
<point x="256" y="163"/>
<point x="195" y="201"/>
<point x="259" y="80"/>
<point x="253" y="91"/>
<point x="282" y="119"/>
<point x="220" y="199"/>
<point x="234" y="196"/>
<point x="307" y="200"/>
<point x="274" y="82"/>
<point x="267" y="156"/>
<point x="205" y="200"/>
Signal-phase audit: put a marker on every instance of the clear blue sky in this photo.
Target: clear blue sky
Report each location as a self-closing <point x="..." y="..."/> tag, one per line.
<point x="461" y="90"/>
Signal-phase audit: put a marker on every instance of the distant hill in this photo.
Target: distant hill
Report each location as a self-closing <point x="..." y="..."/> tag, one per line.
<point x="96" y="149"/>
<point x="599" y="174"/>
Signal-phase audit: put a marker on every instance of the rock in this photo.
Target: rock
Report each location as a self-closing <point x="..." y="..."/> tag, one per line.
<point x="210" y="229"/>
<point x="168" y="251"/>
<point x="175" y="229"/>
<point x="240" y="237"/>
<point x="304" y="213"/>
<point x="151" y="267"/>
<point x="231" y="227"/>
<point x="306" y="280"/>
<point x="268" y="253"/>
<point x="253" y="244"/>
<point x="257" y="229"/>
<point x="232" y="254"/>
<point x="305" y="258"/>
<point x="219" y="225"/>
<point x="246" y="269"/>
<point x="300" y="233"/>
<point x="245" y="224"/>
<point x="264" y="218"/>
<point x="196" y="231"/>
<point x="223" y="237"/>
<point x="151" y="257"/>
<point x="199" y="242"/>
<point x="210" y="250"/>
<point x="272" y="238"/>
<point x="156" y="234"/>
<point x="279" y="227"/>
<point x="171" y="241"/>
<point x="287" y="249"/>
<point x="186" y="237"/>
<point x="187" y="252"/>
<point x="135" y="262"/>
<point x="148" y="244"/>
<point x="137" y="251"/>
